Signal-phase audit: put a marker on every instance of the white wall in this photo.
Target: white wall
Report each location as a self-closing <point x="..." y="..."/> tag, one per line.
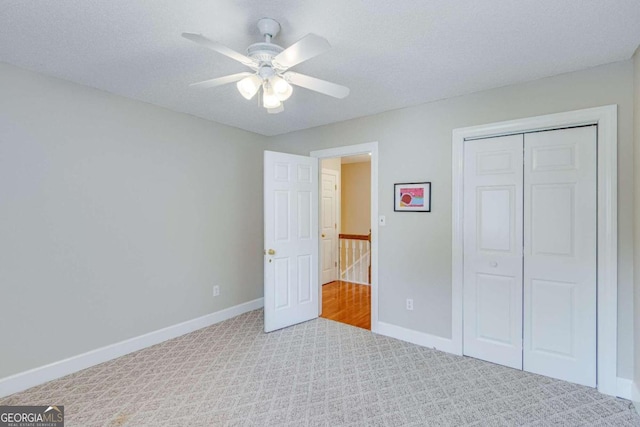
<point x="116" y="218"/>
<point x="636" y="110"/>
<point x="415" y="145"/>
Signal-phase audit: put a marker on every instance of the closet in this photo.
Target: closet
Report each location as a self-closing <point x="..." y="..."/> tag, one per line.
<point x="530" y="245"/>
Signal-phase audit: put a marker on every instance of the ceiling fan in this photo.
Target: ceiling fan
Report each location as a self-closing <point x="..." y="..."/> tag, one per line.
<point x="270" y="64"/>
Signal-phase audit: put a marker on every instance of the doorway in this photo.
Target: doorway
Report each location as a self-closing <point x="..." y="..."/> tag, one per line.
<point x="368" y="274"/>
<point x="292" y="271"/>
<point x="345" y="239"/>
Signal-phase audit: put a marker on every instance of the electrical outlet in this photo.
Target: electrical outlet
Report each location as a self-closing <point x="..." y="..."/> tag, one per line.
<point x="216" y="290"/>
<point x="409" y="304"/>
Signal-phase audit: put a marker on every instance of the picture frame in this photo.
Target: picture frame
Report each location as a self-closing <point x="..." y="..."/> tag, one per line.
<point x="412" y="197"/>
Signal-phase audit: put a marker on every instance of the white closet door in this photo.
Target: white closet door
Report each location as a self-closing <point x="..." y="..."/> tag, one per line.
<point x="493" y="249"/>
<point x="560" y="254"/>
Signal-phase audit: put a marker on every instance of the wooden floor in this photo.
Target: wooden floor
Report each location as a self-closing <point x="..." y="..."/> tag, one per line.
<point x="347" y="303"/>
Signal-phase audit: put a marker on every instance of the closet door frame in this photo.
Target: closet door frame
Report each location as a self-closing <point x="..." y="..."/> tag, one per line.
<point x="606" y="118"/>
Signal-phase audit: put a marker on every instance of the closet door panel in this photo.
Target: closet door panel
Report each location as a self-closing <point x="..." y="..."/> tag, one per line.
<point x="560" y="254"/>
<point x="493" y="250"/>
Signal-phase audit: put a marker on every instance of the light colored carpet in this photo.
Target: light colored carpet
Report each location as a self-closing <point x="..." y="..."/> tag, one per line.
<point x="319" y="373"/>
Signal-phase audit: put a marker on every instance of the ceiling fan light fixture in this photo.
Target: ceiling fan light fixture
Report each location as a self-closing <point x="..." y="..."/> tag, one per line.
<point x="269" y="98"/>
<point x="281" y="88"/>
<point x="249" y="86"/>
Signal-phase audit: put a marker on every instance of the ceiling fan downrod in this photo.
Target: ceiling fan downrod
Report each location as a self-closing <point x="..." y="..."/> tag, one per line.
<point x="269" y="28"/>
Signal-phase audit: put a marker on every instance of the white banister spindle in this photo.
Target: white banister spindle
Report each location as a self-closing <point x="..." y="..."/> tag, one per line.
<point x="346" y="260"/>
<point x="353" y="261"/>
<point x="361" y="263"/>
<point x="349" y="260"/>
<point x="340" y="249"/>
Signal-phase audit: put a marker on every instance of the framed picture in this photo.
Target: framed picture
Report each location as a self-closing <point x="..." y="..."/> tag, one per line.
<point x="412" y="197"/>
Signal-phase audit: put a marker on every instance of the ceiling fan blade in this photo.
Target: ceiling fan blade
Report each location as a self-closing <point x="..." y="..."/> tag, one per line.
<point x="306" y="48"/>
<point x="317" y="85"/>
<point x="221" y="80"/>
<point x="220" y="48"/>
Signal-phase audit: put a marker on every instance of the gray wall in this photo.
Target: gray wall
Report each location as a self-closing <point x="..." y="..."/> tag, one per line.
<point x="415" y="145"/>
<point x="636" y="75"/>
<point x="116" y="218"/>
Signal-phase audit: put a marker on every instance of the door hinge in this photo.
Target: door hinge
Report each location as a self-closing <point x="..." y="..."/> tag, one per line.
<point x="336" y="263"/>
<point x="335" y="186"/>
<point x="335" y="226"/>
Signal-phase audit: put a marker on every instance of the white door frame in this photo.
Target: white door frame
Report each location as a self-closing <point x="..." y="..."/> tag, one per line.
<point x="337" y="214"/>
<point x="351" y="150"/>
<point x="607" y="281"/>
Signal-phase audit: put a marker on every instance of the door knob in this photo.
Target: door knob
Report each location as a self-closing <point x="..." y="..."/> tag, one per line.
<point x="271" y="252"/>
<point x="323" y="235"/>
<point x="494" y="264"/>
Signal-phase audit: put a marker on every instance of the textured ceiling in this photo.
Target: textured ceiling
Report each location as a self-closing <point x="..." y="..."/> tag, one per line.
<point x="391" y="54"/>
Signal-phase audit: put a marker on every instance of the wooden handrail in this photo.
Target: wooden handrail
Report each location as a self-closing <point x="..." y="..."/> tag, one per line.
<point x="356" y="236"/>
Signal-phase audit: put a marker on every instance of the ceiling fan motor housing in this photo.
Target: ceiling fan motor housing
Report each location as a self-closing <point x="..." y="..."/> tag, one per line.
<point x="264" y="52"/>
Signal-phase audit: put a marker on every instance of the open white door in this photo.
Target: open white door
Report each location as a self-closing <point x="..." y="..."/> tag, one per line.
<point x="290" y="239"/>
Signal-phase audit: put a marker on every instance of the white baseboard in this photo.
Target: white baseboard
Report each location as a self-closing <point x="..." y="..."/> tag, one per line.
<point x="624" y="388"/>
<point x="43" y="374"/>
<point x="415" y="337"/>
